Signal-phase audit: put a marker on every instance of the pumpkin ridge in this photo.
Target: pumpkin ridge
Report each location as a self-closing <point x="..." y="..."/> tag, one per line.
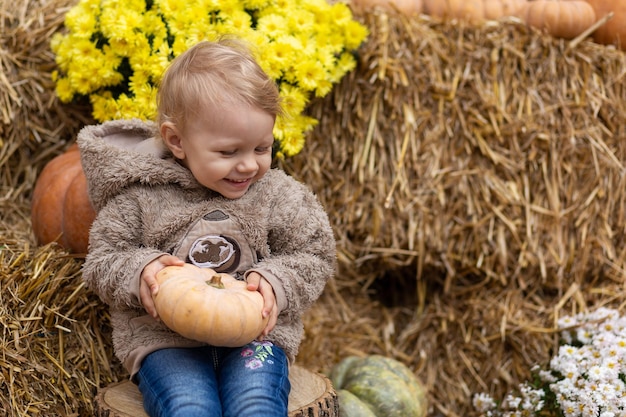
<point x="351" y="405"/>
<point x="242" y="305"/>
<point x="371" y="385"/>
<point x="179" y="311"/>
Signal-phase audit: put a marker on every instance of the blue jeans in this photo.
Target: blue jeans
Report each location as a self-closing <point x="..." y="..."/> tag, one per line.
<point x="208" y="381"/>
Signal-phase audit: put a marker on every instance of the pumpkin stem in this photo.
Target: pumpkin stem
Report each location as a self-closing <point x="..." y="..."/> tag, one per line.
<point x="216" y="281"/>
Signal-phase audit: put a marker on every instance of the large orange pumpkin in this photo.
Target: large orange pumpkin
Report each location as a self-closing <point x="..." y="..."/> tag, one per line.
<point x="560" y="18"/>
<point x="60" y="208"/>
<point x="613" y="31"/>
<point x="202" y="305"/>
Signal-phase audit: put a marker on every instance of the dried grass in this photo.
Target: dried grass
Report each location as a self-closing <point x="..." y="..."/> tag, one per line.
<point x="474" y="178"/>
<point x="477" y="151"/>
<point x="55" y="335"/>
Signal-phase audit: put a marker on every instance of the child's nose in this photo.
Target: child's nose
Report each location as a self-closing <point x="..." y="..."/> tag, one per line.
<point x="248" y="164"/>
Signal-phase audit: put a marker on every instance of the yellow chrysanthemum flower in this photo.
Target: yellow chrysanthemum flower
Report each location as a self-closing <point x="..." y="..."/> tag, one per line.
<point x="240" y="21"/>
<point x="294" y="98"/>
<point x="115" y="51"/>
<point x="345" y="64"/>
<point x="103" y="106"/>
<point x="291" y="133"/>
<point x="80" y="22"/>
<point x="64" y="89"/>
<point x="308" y="73"/>
<point x="273" y="26"/>
<point x="300" y="20"/>
<point x="277" y="57"/>
<point x="355" y="34"/>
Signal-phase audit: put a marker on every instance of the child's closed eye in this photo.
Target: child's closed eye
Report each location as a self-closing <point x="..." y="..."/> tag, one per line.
<point x="263" y="149"/>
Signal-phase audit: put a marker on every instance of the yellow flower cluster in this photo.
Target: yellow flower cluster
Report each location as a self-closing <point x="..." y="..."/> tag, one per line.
<point x="115" y="51"/>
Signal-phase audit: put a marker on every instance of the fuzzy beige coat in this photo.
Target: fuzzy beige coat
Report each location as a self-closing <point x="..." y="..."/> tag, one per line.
<point x="148" y="205"/>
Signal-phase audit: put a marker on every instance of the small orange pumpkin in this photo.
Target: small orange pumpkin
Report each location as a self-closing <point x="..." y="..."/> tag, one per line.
<point x="496" y="9"/>
<point x="474" y="11"/>
<point x="613" y="31"/>
<point x="202" y="305"/>
<point x="560" y="18"/>
<point x="408" y="7"/>
<point x="60" y="207"/>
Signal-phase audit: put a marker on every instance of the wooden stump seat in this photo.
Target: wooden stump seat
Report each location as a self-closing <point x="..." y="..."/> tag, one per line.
<point x="312" y="395"/>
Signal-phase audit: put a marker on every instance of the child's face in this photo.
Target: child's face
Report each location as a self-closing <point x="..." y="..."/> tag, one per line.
<point x="228" y="150"/>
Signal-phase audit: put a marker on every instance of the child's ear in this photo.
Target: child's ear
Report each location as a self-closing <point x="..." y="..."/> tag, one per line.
<point x="173" y="140"/>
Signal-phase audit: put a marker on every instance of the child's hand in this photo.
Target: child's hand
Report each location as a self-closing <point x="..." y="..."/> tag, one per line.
<point x="148" y="286"/>
<point x="257" y="283"/>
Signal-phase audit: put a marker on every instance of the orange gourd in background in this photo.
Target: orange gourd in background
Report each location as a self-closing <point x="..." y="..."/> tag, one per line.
<point x="408" y="7"/>
<point x="614" y="31"/>
<point x="560" y="18"/>
<point x="496" y="9"/>
<point x="202" y="305"/>
<point x="60" y="207"/>
<point x="474" y="11"/>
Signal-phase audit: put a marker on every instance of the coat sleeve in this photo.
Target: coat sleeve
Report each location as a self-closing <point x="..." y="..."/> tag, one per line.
<point x="302" y="248"/>
<point x="116" y="254"/>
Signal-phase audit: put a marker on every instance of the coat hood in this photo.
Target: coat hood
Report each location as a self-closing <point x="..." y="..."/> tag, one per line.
<point x="120" y="153"/>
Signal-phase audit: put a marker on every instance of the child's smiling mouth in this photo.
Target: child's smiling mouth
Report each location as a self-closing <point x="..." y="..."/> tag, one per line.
<point x="238" y="181"/>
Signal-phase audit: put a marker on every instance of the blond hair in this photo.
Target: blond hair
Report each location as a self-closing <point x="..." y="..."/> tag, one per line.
<point x="211" y="75"/>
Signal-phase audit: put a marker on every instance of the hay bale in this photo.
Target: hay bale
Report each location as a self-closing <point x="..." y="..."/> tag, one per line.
<point x="55" y="338"/>
<point x="492" y="151"/>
